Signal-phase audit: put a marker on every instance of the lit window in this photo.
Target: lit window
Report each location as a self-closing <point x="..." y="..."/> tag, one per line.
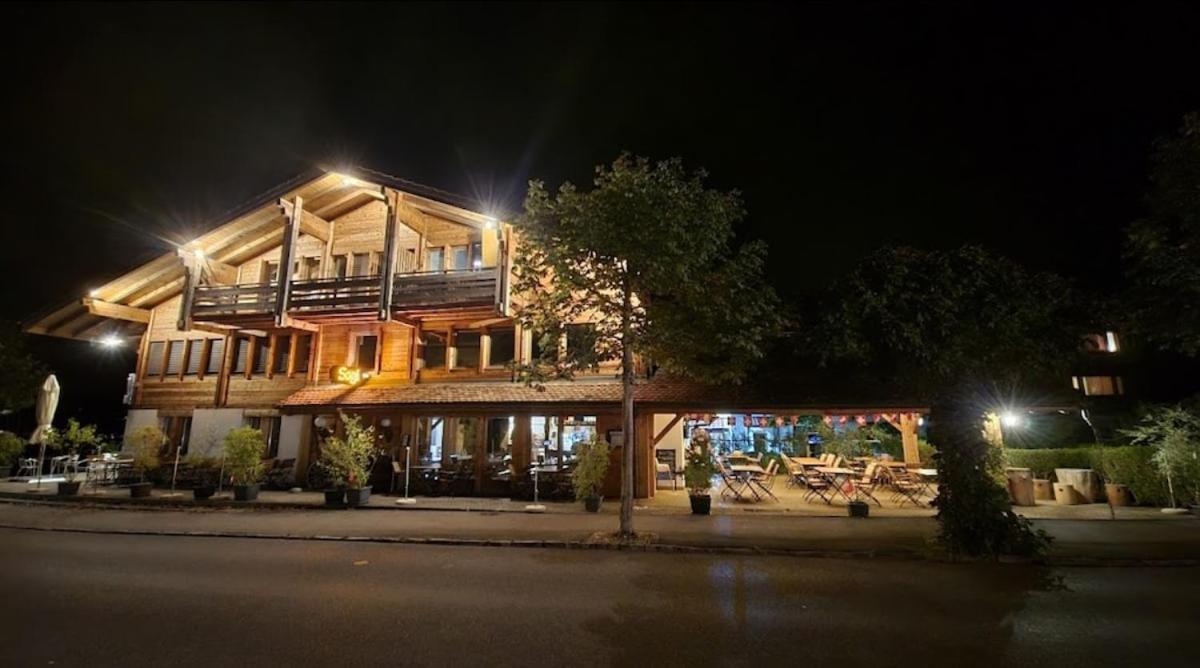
<point x="460" y="256"/>
<point x="434" y="260"/>
<point x="1099" y="386"/>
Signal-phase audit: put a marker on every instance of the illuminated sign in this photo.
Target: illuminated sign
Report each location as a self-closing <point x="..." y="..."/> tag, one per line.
<point x="349" y="375"/>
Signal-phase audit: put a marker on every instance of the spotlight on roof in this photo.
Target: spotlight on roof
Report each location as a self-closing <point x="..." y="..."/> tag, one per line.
<point x="199" y="254"/>
<point x="489" y="223"/>
<point x="111" y="341"/>
<point x="93" y="292"/>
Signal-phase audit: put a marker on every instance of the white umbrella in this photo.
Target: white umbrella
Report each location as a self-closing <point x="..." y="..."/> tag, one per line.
<point x="47" y="403"/>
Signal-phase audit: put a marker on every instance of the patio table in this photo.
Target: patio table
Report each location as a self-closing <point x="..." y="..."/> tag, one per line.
<point x="837" y="478"/>
<point x="746" y="473"/>
<point x="807" y="461"/>
<point x="928" y="477"/>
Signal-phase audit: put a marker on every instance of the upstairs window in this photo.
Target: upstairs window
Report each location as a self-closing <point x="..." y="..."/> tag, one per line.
<point x="340" y="264"/>
<point x="476" y="255"/>
<point x="262" y="349"/>
<point x="303" y="352"/>
<point x="435" y="259"/>
<point x="460" y="256"/>
<point x="175" y="357"/>
<point x="283" y="349"/>
<point x="270" y="272"/>
<point x="365" y="348"/>
<point x="195" y="357"/>
<point x="1098" y="386"/>
<point x="503" y="346"/>
<point x="362" y="264"/>
<point x="1107" y="342"/>
<point x="154" y="358"/>
<point x="544" y="347"/>
<point x="434" y="352"/>
<point x="466" y="350"/>
<point x="216" y="355"/>
<point x="241" y="354"/>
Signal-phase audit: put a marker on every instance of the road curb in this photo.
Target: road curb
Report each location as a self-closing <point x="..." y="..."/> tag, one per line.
<point x="661" y="548"/>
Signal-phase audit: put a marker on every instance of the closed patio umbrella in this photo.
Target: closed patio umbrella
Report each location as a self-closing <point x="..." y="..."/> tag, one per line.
<point x="47" y="403"/>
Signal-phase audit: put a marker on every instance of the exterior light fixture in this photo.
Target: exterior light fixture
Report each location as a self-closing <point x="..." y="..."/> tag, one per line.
<point x="93" y="293"/>
<point x="1010" y="419"/>
<point x="199" y="254"/>
<point x="111" y="341"/>
<point x="489" y="223"/>
<point x="920" y="422"/>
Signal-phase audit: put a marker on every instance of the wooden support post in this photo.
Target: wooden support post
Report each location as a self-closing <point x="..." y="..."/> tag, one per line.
<point x="191" y="278"/>
<point x="287" y="256"/>
<point x="908" y="438"/>
<point x="387" y="266"/>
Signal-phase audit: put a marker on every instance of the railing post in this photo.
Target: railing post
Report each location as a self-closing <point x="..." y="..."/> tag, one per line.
<point x="292" y="212"/>
<point x="191" y="278"/>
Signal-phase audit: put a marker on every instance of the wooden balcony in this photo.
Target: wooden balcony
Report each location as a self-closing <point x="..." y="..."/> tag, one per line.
<point x="328" y="298"/>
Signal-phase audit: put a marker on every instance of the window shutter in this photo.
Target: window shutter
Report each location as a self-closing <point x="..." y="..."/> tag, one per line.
<point x="195" y="352"/>
<point x="216" y="355"/>
<point x="154" y="358"/>
<point x="175" y="357"/>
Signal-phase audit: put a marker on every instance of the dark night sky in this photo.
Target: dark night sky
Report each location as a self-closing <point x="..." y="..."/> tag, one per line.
<point x="1020" y="127"/>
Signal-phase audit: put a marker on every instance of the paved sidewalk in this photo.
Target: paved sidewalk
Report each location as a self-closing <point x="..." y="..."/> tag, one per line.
<point x="1161" y="541"/>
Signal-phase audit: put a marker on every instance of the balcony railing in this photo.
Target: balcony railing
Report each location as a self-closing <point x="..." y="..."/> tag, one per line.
<point x="410" y="291"/>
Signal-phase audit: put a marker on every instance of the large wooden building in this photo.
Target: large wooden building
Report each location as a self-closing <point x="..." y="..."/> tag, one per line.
<point x="366" y="294"/>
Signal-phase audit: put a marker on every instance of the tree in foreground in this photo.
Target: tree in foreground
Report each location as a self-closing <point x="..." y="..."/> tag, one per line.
<point x="970" y="333"/>
<point x="647" y="257"/>
<point x="20" y="374"/>
<point x="1163" y="249"/>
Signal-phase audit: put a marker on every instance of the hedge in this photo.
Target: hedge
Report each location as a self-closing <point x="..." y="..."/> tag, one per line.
<point x="1127" y="465"/>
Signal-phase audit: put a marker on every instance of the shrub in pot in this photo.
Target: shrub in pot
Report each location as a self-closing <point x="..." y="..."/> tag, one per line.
<point x="244" y="449"/>
<point x="347" y="460"/>
<point x="698" y="472"/>
<point x="591" y="466"/>
<point x="204" y="474"/>
<point x="145" y="444"/>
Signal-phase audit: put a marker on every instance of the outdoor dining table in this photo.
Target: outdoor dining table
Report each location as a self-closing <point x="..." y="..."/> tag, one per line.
<point x="928" y="477"/>
<point x="746" y="473"/>
<point x="808" y="461"/>
<point x="837" y="478"/>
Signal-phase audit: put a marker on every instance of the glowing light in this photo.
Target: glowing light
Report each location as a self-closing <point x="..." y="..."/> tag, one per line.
<point x="1111" y="339"/>
<point x="93" y="293"/>
<point x="111" y="341"/>
<point x="199" y="254"/>
<point x="1009" y="419"/>
<point x="349" y="375"/>
<point x="920" y="422"/>
<point x="489" y="223"/>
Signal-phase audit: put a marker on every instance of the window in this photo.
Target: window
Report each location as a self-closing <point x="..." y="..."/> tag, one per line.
<point x="544" y="347"/>
<point x="339" y="266"/>
<point x="283" y="348"/>
<point x="362" y="264"/>
<point x="476" y="255"/>
<point x="581" y="338"/>
<point x="240" y="353"/>
<point x="270" y="272"/>
<point x="1102" y="343"/>
<point x="175" y="357"/>
<point x="178" y="430"/>
<point x="269" y="426"/>
<point x="364" y="351"/>
<point x="435" y="259"/>
<point x="460" y="256"/>
<point x="466" y="350"/>
<point x="195" y="357"/>
<point x="303" y="352"/>
<point x="309" y="267"/>
<point x="1098" y="386"/>
<point x="435" y="350"/>
<point x="503" y="347"/>
<point x="154" y="358"/>
<point x="262" y="349"/>
<point x="216" y="356"/>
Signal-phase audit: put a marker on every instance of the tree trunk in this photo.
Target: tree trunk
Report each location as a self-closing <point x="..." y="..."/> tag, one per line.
<point x="626" y="530"/>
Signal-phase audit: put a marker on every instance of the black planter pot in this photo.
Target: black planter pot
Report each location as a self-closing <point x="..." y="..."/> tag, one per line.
<point x="859" y="509"/>
<point x="701" y="504"/>
<point x="245" y="492"/>
<point x="358" y="496"/>
<point x="140" y="490"/>
<point x="69" y="488"/>
<point x="203" y="492"/>
<point x="335" y="498"/>
<point x="592" y="503"/>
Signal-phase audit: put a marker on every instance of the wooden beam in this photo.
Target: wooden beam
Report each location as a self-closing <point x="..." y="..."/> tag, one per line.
<point x="310" y="223"/>
<point x="387" y="269"/>
<point x="292" y="323"/>
<point x="487" y="322"/>
<point x="191" y="279"/>
<point x="665" y="430"/>
<point x="116" y="311"/>
<point x="287" y="255"/>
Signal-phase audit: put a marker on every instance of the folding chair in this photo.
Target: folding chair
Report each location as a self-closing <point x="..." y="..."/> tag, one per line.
<point x="905" y="488"/>
<point x="817" y="486"/>
<point x="868" y="482"/>
<point x="730" y="483"/>
<point x="766" y="480"/>
<point x="795" y="472"/>
<point x="28" y="467"/>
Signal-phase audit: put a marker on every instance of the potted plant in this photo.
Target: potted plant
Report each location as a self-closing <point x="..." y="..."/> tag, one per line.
<point x="145" y="443"/>
<point x="590" y="468"/>
<point x="204" y="474"/>
<point x="244" y="449"/>
<point x="698" y="473"/>
<point x="72" y="440"/>
<point x="348" y="459"/>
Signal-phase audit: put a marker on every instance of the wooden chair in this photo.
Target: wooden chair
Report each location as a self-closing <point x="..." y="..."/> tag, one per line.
<point x="868" y="482"/>
<point x="817" y="486"/>
<point x="766" y="480"/>
<point x="905" y="487"/>
<point x="730" y="483"/>
<point x="795" y="472"/>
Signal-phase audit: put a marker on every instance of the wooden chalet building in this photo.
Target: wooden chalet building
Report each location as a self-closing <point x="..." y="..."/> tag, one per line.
<point x="371" y="295"/>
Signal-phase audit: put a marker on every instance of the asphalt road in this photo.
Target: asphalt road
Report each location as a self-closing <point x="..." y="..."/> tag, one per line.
<point x="86" y="599"/>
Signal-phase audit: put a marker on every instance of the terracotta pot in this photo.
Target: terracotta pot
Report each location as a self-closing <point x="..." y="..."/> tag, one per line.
<point x="1118" y="494"/>
<point x="1043" y="489"/>
<point x="1065" y="494"/>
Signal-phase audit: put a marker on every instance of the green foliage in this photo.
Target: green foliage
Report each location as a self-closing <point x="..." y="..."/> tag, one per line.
<point x="1174" y="433"/>
<point x="591" y="466"/>
<point x="74" y="437"/>
<point x="974" y="510"/>
<point x="699" y="469"/>
<point x="22" y="374"/>
<point x="347" y="460"/>
<point x="11" y="448"/>
<point x="146" y="443"/>
<point x="1163" y="249"/>
<point x="1131" y="466"/>
<point x="244" y="450"/>
<point x="653" y="232"/>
